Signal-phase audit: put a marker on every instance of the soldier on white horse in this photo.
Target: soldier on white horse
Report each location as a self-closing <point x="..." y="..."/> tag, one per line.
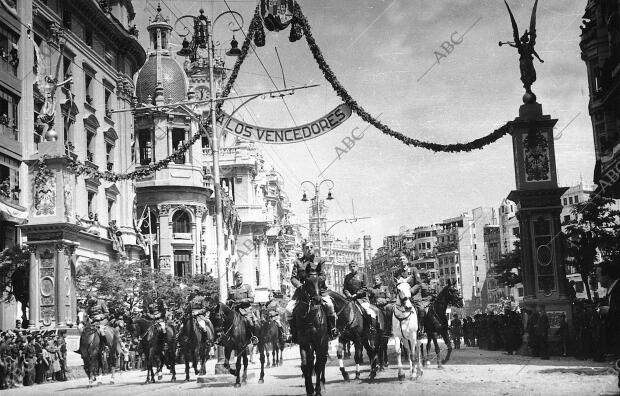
<point x="405" y="327"/>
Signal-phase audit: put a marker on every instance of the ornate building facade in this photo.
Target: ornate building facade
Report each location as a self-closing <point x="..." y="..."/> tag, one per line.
<point x="600" y="50"/>
<point x="76" y="64"/>
<point x="175" y="206"/>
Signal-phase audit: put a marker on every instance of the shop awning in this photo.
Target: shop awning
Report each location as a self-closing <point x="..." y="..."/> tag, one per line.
<point x="11" y="214"/>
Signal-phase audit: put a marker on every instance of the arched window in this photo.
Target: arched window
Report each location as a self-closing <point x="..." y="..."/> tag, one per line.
<point x="180" y="222"/>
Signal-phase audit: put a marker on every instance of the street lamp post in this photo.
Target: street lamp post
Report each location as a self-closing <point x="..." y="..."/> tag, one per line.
<point x="317" y="188"/>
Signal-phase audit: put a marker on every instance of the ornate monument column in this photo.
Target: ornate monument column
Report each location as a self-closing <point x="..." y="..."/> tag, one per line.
<point x="538" y="209"/>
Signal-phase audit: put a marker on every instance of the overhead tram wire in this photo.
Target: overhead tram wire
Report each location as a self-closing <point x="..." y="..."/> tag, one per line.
<point x="276" y="86"/>
<point x="266" y="146"/>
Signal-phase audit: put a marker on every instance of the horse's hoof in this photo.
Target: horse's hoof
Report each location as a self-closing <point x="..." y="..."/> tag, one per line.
<point x="112" y="382"/>
<point x="440" y="367"/>
<point x="187" y="379"/>
<point x="261" y="381"/>
<point x="237" y="385"/>
<point x="427" y="363"/>
<point x="401" y="377"/>
<point x="357" y="375"/>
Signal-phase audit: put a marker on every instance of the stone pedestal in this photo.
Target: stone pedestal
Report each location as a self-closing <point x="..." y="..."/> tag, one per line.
<point x="538" y="209"/>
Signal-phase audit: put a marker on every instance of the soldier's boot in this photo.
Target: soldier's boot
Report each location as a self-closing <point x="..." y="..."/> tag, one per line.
<point x="253" y="332"/>
<point x="331" y="323"/>
<point x="292" y="326"/>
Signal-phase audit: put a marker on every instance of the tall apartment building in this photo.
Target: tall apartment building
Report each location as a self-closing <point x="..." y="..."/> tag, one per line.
<point x="424" y="245"/>
<point x="460" y="253"/>
<point x="341" y="253"/>
<point x="508" y="226"/>
<point x="367" y="254"/>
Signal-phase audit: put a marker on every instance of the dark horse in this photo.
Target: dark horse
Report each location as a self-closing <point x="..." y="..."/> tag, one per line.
<point x="195" y="344"/>
<point x="236" y="338"/>
<point x="91" y="347"/>
<point x="149" y="334"/>
<point x="312" y="332"/>
<point x="270" y="337"/>
<point x="354" y="327"/>
<point x="436" y="321"/>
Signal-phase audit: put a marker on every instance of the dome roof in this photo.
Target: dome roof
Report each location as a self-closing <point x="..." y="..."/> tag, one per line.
<point x="173" y="80"/>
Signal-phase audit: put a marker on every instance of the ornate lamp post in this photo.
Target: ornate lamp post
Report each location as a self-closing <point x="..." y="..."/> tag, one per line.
<point x="202" y="41"/>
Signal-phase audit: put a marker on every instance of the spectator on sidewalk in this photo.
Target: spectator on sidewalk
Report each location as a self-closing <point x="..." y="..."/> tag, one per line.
<point x="563" y="333"/>
<point x="608" y="273"/>
<point x="543" y="332"/>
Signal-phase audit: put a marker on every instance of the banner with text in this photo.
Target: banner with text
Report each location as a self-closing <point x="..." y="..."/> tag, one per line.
<point x="308" y="131"/>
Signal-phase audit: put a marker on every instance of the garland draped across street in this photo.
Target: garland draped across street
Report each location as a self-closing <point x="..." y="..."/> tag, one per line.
<point x="80" y="168"/>
<point x="256" y="32"/>
<point x="359" y="110"/>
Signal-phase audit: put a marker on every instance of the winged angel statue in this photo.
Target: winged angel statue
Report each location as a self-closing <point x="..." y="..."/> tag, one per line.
<point x="525" y="46"/>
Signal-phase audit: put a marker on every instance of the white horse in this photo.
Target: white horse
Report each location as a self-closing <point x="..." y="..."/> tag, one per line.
<point x="405" y="327"/>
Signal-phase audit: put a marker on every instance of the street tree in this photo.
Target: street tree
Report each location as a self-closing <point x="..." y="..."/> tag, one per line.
<point x="508" y="267"/>
<point x="14" y="277"/>
<point x="594" y="226"/>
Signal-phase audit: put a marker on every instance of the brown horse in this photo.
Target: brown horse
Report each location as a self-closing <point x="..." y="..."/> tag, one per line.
<point x="436" y="322"/>
<point x="312" y="332"/>
<point x="91" y="348"/>
<point x="270" y="337"/>
<point x="158" y="351"/>
<point x="195" y="344"/>
<point x="236" y="338"/>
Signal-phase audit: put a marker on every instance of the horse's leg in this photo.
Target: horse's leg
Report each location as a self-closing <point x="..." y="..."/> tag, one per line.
<point x="306" y="369"/>
<point x="446" y="339"/>
<point x="410" y="354"/>
<point x="339" y="353"/>
<point x="437" y="351"/>
<point x="186" y="357"/>
<point x="172" y="348"/>
<point x="372" y="357"/>
<point x="244" y="379"/>
<point x="419" y="370"/>
<point x="429" y="339"/>
<point x="399" y="362"/>
<point x="359" y="350"/>
<point x="238" y="369"/>
<point x="227" y="352"/>
<point x="261" y="351"/>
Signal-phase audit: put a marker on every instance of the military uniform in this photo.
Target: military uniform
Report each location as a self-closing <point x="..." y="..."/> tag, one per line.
<point x="273" y="310"/>
<point x="197" y="307"/>
<point x="379" y="296"/>
<point x="298" y="277"/>
<point x="355" y="288"/>
<point x="241" y="297"/>
<point x="157" y="313"/>
<point x="457" y="332"/>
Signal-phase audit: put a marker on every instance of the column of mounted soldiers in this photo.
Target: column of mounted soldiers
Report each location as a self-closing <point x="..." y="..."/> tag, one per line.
<point x="372" y="298"/>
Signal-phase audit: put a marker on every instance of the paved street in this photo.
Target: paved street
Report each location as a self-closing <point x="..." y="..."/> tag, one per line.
<point x="472" y="372"/>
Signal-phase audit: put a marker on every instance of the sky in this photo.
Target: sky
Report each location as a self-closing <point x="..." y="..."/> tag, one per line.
<point x="381" y="51"/>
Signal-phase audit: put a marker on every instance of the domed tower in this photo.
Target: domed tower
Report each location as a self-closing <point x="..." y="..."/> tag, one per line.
<point x="171" y="202"/>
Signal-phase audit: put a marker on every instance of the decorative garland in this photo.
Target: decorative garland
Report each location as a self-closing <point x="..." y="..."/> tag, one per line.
<point x="81" y="169"/>
<point x="359" y="110"/>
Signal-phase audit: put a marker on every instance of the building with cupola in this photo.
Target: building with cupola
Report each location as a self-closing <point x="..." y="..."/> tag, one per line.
<point x="174" y="205"/>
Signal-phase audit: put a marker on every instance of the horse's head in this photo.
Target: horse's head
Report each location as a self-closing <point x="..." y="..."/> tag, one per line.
<point x="453" y="296"/>
<point x="403" y="290"/>
<point x="312" y="286"/>
<point x="82" y="320"/>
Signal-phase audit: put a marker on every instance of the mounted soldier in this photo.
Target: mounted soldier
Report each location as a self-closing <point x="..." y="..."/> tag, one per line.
<point x="379" y="295"/>
<point x="298" y="277"/>
<point x="354" y="286"/>
<point x="418" y="289"/>
<point x="241" y="297"/>
<point x="98" y="313"/>
<point x="273" y="310"/>
<point x="197" y="307"/>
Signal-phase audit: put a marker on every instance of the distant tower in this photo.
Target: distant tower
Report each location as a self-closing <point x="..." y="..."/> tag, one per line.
<point x="367" y="250"/>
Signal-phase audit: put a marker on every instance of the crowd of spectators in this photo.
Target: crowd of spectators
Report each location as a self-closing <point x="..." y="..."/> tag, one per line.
<point x="40" y="356"/>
